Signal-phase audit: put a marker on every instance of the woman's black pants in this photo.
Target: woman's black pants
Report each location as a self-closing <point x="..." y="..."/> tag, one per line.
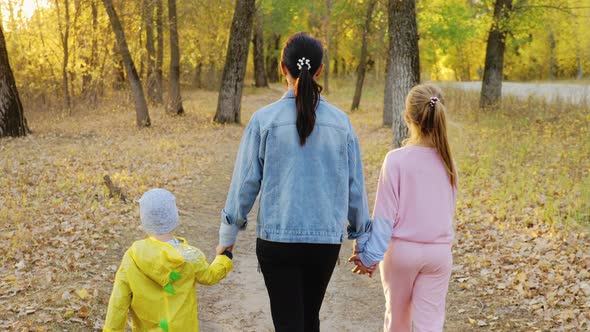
<point x="296" y="277"/>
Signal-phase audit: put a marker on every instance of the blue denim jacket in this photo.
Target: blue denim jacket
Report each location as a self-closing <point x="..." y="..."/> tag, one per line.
<point x="307" y="193"/>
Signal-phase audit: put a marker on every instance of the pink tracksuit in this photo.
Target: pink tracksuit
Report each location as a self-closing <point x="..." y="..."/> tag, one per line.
<point x="415" y="193"/>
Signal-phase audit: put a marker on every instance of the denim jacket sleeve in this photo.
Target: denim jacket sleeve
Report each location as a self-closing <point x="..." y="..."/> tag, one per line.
<point x="358" y="208"/>
<point x="244" y="188"/>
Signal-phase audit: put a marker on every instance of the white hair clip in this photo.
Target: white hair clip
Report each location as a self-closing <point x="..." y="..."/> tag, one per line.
<point x="303" y="61"/>
<point x="433" y="101"/>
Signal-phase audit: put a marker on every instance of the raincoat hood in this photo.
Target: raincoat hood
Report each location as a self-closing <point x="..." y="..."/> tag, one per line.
<point x="156" y="283"/>
<point x="156" y="259"/>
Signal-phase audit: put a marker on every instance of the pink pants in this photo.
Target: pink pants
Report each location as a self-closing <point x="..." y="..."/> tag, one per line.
<point x="415" y="278"/>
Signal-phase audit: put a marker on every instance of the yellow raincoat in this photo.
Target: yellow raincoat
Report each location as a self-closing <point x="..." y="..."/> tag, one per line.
<point x="156" y="285"/>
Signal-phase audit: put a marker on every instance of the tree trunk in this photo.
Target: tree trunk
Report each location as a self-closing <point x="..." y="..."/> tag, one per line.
<point x="174" y="99"/>
<point x="65" y="36"/>
<point x="142" y="64"/>
<point x="363" y="59"/>
<point x="552" y="64"/>
<point x="141" y="109"/>
<point x="198" y="78"/>
<point x="12" y="120"/>
<point x="158" y="86"/>
<point x="580" y="70"/>
<point x="148" y="15"/>
<point x="327" y="48"/>
<point x="491" y="87"/>
<point x="388" y="93"/>
<point x="272" y="63"/>
<point x="92" y="60"/>
<point x="232" y="82"/>
<point x="404" y="65"/>
<point x="258" y="45"/>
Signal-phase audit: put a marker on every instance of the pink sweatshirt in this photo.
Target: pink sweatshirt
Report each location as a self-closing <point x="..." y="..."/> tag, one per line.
<point x="414" y="192"/>
<point x="415" y="202"/>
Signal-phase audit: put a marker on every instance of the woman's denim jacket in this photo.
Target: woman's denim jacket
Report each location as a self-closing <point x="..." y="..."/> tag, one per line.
<point x="307" y="193"/>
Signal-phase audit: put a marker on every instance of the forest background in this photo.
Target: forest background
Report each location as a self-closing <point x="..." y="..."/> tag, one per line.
<point x="521" y="258"/>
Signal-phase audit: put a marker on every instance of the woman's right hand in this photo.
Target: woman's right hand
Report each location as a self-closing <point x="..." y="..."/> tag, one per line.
<point x="221" y="249"/>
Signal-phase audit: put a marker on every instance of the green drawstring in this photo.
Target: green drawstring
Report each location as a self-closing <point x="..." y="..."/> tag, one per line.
<point x="173" y="276"/>
<point x="163" y="325"/>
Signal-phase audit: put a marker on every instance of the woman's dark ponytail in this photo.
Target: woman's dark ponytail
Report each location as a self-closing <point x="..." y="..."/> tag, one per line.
<point x="307" y="97"/>
<point x="302" y="55"/>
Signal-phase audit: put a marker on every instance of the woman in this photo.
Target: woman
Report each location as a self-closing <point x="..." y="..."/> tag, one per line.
<point x="302" y="155"/>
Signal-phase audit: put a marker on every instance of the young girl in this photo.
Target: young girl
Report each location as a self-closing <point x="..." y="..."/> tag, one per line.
<point x="417" y="193"/>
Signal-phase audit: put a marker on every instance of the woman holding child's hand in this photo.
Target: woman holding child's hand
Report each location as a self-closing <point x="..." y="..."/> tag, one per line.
<point x="302" y="155"/>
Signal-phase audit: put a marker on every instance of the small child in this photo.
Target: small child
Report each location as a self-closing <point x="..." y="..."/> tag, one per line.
<point x="412" y="227"/>
<point x="157" y="277"/>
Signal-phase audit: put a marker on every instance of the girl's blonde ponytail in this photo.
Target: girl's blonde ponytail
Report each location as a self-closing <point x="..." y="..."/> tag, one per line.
<point x="426" y="117"/>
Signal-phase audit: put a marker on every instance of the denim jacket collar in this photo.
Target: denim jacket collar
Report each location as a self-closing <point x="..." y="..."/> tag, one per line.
<point x="291" y="94"/>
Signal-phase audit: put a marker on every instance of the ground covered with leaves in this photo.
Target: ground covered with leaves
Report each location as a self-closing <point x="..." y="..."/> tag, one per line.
<point x="522" y="255"/>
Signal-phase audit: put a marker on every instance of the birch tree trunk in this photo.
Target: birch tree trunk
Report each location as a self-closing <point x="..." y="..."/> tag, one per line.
<point x="362" y="68"/>
<point x="234" y="71"/>
<point x="12" y="120"/>
<point x="491" y="87"/>
<point x="404" y="62"/>
<point x="141" y="109"/>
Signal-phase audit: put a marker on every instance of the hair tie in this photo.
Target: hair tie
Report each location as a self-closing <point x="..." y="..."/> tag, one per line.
<point x="433" y="101"/>
<point x="303" y="61"/>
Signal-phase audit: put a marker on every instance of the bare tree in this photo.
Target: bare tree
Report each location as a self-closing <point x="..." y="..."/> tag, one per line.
<point x="91" y="62"/>
<point x="148" y="16"/>
<point x="232" y="82"/>
<point x="141" y="109"/>
<point x="12" y="120"/>
<point x="327" y="23"/>
<point x="158" y="86"/>
<point x="362" y="68"/>
<point x="174" y="99"/>
<point x="272" y="58"/>
<point x="552" y="63"/>
<point x="491" y="87"/>
<point x="388" y="95"/>
<point x="64" y="36"/>
<point x="403" y="70"/>
<point x="258" y="48"/>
